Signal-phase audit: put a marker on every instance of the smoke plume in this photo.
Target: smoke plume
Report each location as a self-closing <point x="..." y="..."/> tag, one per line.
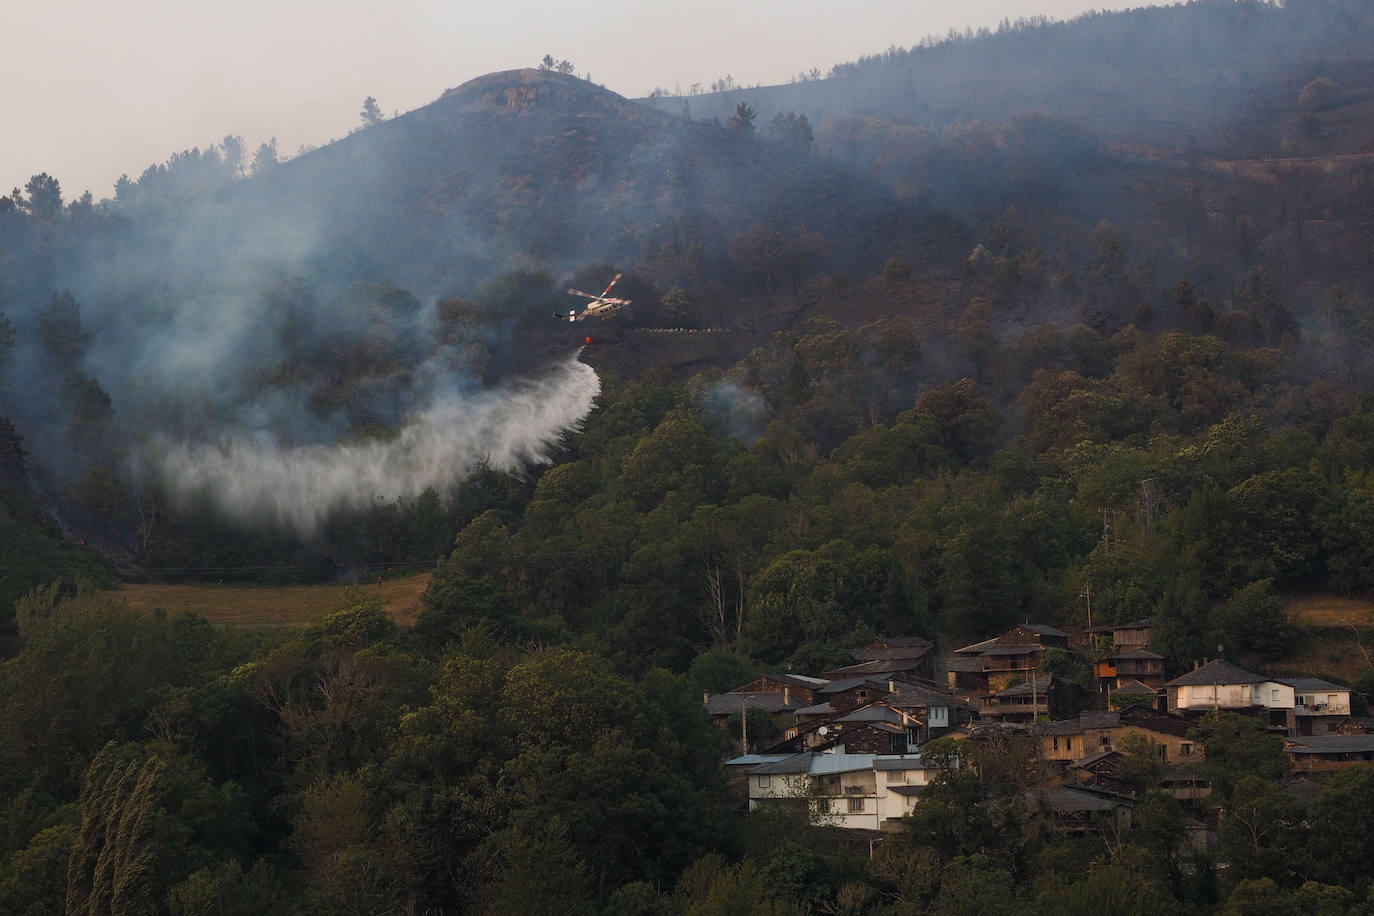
<point x="254" y="479"/>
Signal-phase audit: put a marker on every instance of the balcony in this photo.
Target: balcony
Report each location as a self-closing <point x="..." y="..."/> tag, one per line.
<point x="1322" y="709"/>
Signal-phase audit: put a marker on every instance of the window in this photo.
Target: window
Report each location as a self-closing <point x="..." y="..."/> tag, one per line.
<point x="1056" y="744"/>
<point x="1273" y="695"/>
<point x="1185" y="749"/>
<point x="856" y="806"/>
<point x="1068" y="744"/>
<point x="763" y="781"/>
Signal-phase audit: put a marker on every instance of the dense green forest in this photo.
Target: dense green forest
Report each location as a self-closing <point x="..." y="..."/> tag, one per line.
<point x="535" y="742"/>
<point x="914" y="372"/>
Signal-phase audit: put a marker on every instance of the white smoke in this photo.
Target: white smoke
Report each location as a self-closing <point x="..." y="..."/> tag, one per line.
<point x="253" y="479"/>
<point x="738" y="412"/>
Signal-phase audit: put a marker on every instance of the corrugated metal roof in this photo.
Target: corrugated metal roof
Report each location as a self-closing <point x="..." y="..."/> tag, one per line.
<point x="829" y="764"/>
<point x="755" y="759"/>
<point x="900" y="762"/>
<point x="796" y="763"/>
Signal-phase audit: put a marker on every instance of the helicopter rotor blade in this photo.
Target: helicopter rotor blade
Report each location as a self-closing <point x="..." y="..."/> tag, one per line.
<point x="613" y="282"/>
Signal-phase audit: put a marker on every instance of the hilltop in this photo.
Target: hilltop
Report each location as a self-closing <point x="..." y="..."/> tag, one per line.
<point x="554" y="170"/>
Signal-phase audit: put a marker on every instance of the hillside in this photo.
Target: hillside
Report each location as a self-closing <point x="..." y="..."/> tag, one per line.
<point x="1221" y="75"/>
<point x="296" y="330"/>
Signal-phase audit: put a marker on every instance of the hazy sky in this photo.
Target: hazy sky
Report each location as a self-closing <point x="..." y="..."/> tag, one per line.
<point x="96" y="89"/>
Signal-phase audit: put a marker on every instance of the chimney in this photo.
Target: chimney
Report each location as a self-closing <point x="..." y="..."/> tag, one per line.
<point x="705" y="698"/>
<point x="891" y="686"/>
<point x="786" y="695"/>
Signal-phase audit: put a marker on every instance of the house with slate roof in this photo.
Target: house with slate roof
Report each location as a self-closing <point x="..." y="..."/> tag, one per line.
<point x="851" y="693"/>
<point x="1126" y="636"/>
<point x="1099" y="731"/>
<point x="900" y="657"/>
<point x="1133" y="693"/>
<point x="1046" y="695"/>
<point x="1140" y="665"/>
<point x="856" y="791"/>
<point x="720" y="706"/>
<point x="931" y="712"/>
<point x="780" y="695"/>
<point x="989" y="666"/>
<point x="1320" y="707"/>
<point x="1320" y="753"/>
<point x="896" y="717"/>
<point x="1082" y="809"/>
<point x="1222" y="685"/>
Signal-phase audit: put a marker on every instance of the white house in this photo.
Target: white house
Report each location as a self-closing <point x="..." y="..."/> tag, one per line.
<point x="1320" y="706"/>
<point x="1222" y="685"/>
<point x="857" y="791"/>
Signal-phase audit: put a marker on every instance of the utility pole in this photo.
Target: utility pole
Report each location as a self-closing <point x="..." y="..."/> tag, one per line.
<point x="1149" y="489"/>
<point x="743" y="725"/>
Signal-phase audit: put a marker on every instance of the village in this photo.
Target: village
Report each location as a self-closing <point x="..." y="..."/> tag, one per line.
<point x="1070" y="710"/>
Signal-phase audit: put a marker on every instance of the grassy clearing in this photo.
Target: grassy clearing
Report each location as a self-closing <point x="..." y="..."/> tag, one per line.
<point x="1330" y="611"/>
<point x="292" y="605"/>
<point x="1333" y="628"/>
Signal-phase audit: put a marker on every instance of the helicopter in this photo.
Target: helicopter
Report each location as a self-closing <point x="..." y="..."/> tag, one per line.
<point x="599" y="306"/>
